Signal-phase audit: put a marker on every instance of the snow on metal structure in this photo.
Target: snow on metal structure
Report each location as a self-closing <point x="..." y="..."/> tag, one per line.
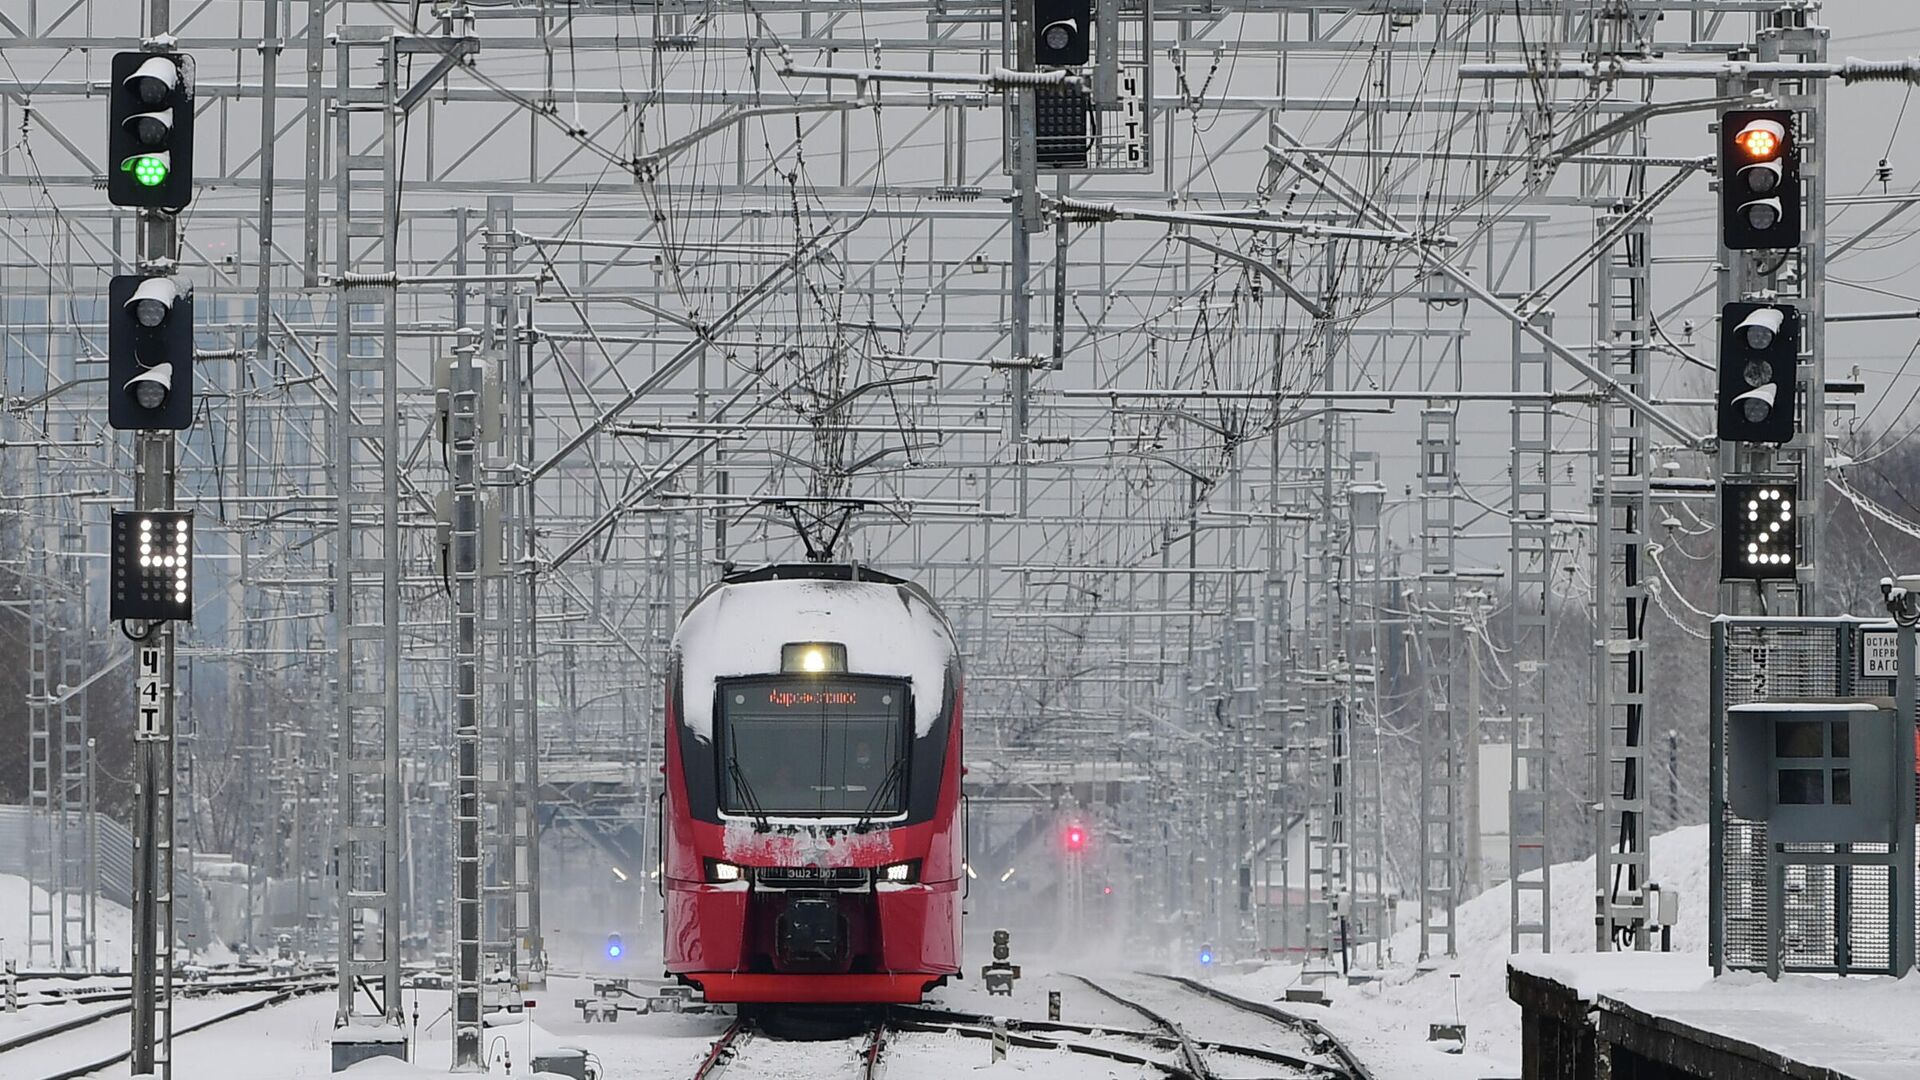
<point x="718" y="277"/>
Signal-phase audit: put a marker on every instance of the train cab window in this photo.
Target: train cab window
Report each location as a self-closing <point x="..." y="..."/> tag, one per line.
<point x="815" y="746"/>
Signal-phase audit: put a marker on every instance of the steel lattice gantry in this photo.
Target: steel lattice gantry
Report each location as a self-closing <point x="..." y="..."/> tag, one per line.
<point x="1440" y="801"/>
<point x="1533" y="566"/>
<point x="710" y="282"/>
<point x="368" y="552"/>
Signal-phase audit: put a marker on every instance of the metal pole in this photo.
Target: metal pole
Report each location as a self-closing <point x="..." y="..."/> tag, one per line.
<point x="93" y="853"/>
<point x="1902" y="913"/>
<point x="152" y="1017"/>
<point x="1475" y="877"/>
<point x="1529" y="851"/>
<point x="367" y="556"/>
<point x="1026" y="219"/>
<point x="153" y="800"/>
<point x="464" y="558"/>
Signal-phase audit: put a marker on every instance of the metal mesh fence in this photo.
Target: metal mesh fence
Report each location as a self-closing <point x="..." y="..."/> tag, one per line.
<point x="1870" y="898"/>
<point x="1775" y="662"/>
<point x="1808" y="910"/>
<point x="1744" y="893"/>
<point x="1823" y="906"/>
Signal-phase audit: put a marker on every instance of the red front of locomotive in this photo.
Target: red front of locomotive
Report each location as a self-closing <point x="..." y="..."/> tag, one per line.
<point x="813" y="842"/>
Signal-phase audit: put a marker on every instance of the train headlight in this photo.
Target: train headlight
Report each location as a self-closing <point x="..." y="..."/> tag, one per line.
<point x="722" y="872"/>
<point x="813" y="657"/>
<point x="904" y="873"/>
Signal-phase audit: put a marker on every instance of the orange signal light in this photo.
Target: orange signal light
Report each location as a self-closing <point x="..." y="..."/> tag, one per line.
<point x="1758" y="143"/>
<point x="1762" y="140"/>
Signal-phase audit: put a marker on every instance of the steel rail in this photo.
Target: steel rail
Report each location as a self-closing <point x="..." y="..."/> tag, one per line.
<point x="280" y="998"/>
<point x="120" y="994"/>
<point x="1257" y="1053"/>
<point x="39" y="1034"/>
<point x="1322" y="1040"/>
<point x="870" y="1054"/>
<point x="724" y="1048"/>
<point x="949" y="1019"/>
<point x="1190" y="1055"/>
<point x="1015" y="1038"/>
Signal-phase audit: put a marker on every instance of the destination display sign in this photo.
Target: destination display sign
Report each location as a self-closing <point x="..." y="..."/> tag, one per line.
<point x="790" y="699"/>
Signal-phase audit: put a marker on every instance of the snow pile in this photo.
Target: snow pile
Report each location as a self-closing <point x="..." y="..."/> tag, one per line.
<point x="113" y="930"/>
<point x="1857" y="1027"/>
<point x="1678" y="861"/>
<point x="738" y="630"/>
<point x="1404" y="1001"/>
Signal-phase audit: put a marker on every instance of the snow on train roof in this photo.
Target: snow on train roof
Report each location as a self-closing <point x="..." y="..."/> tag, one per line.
<point x="738" y="629"/>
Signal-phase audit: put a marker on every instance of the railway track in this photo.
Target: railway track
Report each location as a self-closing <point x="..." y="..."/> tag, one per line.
<point x="1190" y="1054"/>
<point x="1323" y="1042"/>
<point x="1042" y="1035"/>
<point x="876" y="1044"/>
<point x="70" y="1047"/>
<point x="32" y="996"/>
<point x="725" y="1049"/>
<point x="742" y="1044"/>
<point x="70" y="1024"/>
<point x="1195" y="1052"/>
<point x="742" y="1051"/>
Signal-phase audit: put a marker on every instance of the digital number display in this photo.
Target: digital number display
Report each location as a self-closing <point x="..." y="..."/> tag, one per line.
<point x="788" y="699"/>
<point x="1758" y="532"/>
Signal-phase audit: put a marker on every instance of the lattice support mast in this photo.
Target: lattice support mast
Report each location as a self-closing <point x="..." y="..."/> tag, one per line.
<point x="1439" y="810"/>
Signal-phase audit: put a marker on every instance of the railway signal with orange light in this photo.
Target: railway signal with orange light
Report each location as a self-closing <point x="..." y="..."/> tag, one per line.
<point x="1759" y="180"/>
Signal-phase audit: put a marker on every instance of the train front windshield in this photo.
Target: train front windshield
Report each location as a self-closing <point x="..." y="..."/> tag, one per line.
<point x="813" y="745"/>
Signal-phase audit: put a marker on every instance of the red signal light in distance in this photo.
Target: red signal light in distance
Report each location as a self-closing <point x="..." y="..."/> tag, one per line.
<point x="1076" y="838"/>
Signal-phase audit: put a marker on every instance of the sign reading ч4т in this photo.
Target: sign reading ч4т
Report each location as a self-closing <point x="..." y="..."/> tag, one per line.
<point x="1879" y="653"/>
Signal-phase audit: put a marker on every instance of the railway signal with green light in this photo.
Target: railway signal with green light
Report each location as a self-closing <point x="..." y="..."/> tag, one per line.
<point x="150" y="130"/>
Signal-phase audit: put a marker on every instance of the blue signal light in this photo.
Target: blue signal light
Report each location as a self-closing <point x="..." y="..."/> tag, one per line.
<point x="615" y="949"/>
<point x="1206" y="955"/>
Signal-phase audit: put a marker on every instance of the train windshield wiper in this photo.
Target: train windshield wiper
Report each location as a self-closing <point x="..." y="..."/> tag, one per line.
<point x="745" y="791"/>
<point x="881" y="793"/>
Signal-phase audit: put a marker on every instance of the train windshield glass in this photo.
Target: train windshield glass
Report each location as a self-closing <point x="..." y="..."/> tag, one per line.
<point x="813" y="746"/>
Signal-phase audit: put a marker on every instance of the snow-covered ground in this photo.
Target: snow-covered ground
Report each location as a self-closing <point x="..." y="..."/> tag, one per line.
<point x="1863" y="1028"/>
<point x="113" y="929"/>
<point x="1385" y="1021"/>
<point x="290" y="1042"/>
<point x="1859" y="1027"/>
<point x="1393" y="1013"/>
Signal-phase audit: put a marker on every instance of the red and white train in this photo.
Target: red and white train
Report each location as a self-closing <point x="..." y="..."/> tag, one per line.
<point x="812" y="832"/>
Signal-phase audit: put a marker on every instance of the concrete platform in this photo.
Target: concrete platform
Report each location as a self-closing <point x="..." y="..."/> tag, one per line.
<point x="1653" y="1016"/>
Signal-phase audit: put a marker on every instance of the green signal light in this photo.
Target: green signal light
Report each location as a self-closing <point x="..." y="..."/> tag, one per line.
<point x="149" y="170"/>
